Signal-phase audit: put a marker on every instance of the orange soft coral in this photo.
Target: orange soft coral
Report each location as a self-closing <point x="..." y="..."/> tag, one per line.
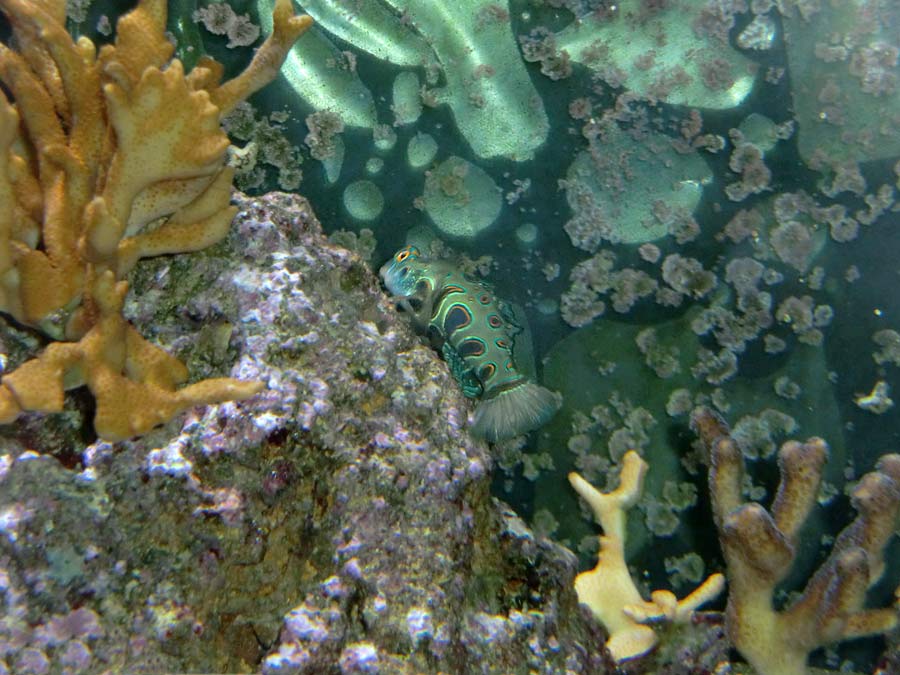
<point x="104" y="159"/>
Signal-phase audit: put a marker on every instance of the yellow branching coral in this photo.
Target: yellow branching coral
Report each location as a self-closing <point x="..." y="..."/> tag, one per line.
<point x="608" y="588"/>
<point x="759" y="548"/>
<point x="106" y="158"/>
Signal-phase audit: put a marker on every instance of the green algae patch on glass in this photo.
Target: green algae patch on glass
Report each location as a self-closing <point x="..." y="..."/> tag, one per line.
<point x="374" y="166"/>
<point x="420" y="150"/>
<point x="488" y="89"/>
<point x="321" y="75"/>
<point x="631" y="191"/>
<point x="627" y="386"/>
<point x="678" y="53"/>
<point x="372" y="26"/>
<point x="461" y="199"/>
<point x="844" y="72"/>
<point x="760" y="131"/>
<point x="334" y="162"/>
<point x="406" y="99"/>
<point x="363" y="200"/>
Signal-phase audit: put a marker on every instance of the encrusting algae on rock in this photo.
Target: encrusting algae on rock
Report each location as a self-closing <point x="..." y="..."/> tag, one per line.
<point x="105" y="158"/>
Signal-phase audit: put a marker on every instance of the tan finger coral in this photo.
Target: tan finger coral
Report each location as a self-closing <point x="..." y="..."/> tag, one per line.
<point x="759" y="546"/>
<point x="106" y="158"/>
<point x="609" y="590"/>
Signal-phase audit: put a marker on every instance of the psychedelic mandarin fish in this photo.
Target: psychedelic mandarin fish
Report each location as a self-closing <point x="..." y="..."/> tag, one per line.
<point x="475" y="332"/>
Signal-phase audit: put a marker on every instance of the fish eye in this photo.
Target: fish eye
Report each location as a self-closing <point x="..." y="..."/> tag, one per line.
<point x="403" y="255"/>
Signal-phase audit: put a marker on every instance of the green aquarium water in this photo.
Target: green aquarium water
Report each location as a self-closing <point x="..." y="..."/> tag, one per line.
<point x="694" y="202"/>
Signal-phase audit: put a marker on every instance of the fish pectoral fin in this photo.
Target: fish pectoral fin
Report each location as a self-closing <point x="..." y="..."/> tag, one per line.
<point x="522" y="343"/>
<point x="413" y="307"/>
<point x="461" y="372"/>
<point x="513" y="315"/>
<point x="419" y="309"/>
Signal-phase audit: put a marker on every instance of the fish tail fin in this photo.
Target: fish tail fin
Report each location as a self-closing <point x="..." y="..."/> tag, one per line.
<point x="515" y="411"/>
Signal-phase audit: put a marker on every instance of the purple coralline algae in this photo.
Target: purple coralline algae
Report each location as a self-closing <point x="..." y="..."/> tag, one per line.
<point x="340" y="521"/>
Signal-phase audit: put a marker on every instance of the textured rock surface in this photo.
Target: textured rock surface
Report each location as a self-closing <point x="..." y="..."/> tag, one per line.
<point x="340" y="521"/>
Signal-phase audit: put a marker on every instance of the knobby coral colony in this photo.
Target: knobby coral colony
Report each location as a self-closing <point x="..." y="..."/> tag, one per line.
<point x="106" y="158"/>
<point x="759" y="547"/>
<point x="477" y="333"/>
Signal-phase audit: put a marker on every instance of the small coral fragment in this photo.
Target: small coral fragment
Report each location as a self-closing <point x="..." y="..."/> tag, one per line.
<point x="877" y="401"/>
<point x="608" y="588"/>
<point x="106" y="158"/>
<point x="759" y="546"/>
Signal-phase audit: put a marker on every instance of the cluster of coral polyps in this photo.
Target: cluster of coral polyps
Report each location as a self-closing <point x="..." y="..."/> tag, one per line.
<point x="759" y="546"/>
<point x="106" y="158"/>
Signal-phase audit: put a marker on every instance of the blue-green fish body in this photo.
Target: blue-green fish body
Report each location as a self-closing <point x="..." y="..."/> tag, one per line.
<point x="477" y="333"/>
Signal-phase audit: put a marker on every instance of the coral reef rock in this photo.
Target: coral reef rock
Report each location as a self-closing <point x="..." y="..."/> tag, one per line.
<point x="338" y="522"/>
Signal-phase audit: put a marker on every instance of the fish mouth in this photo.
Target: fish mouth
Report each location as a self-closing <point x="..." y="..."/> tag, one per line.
<point x="391" y="282"/>
<point x="395" y="289"/>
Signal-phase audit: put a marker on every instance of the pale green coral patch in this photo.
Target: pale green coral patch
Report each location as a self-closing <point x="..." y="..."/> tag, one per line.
<point x="667" y="54"/>
<point x="323" y="76"/>
<point x="494" y="103"/>
<point x="372" y="26"/>
<point x="407" y="103"/>
<point x="628" y="191"/>
<point x="363" y="200"/>
<point x="334" y="162"/>
<point x="421" y="149"/>
<point x="461" y="199"/>
<point x="844" y="69"/>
